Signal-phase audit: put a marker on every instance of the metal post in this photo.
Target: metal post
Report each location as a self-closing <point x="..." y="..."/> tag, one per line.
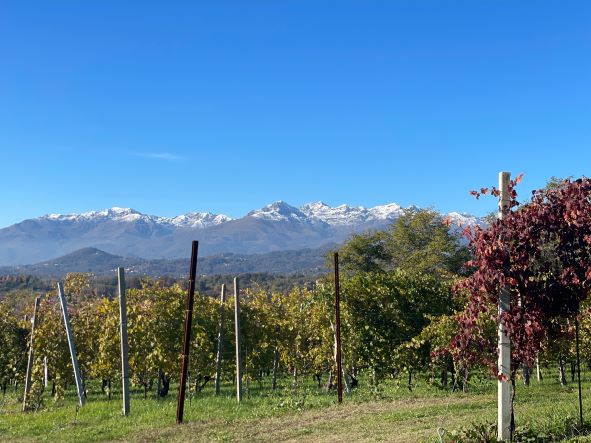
<point x="218" y="359"/>
<point x="237" y="334"/>
<point x="124" y="341"/>
<point x="187" y="336"/>
<point x="30" y="359"/>
<point x="504" y="343"/>
<point x="579" y="370"/>
<point x="71" y="344"/>
<point x="337" y="307"/>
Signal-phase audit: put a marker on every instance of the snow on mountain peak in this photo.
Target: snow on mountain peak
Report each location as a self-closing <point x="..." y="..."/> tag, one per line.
<point x="343" y="215"/>
<point x="279" y="211"/>
<point x="198" y="219"/>
<point x="190" y="220"/>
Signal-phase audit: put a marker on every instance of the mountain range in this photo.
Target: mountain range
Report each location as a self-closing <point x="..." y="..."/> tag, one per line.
<point x="128" y="233"/>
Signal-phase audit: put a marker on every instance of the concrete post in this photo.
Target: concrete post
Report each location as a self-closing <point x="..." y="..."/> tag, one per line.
<point x="124" y="341"/>
<point x="71" y="344"/>
<point x="237" y="334"/>
<point x="504" y="344"/>
<point x="218" y="359"/>
<point x="30" y="359"/>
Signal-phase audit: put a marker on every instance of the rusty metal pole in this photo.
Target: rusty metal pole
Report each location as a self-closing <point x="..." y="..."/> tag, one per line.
<point x="187" y="336"/>
<point x="337" y="308"/>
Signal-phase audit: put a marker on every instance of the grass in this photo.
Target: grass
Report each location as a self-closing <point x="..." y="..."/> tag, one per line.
<point x="304" y="414"/>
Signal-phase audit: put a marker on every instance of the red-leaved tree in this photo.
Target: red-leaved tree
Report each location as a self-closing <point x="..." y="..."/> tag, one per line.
<point x="541" y="253"/>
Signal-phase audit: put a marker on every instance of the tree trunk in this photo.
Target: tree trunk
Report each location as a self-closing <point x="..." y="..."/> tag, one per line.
<point x="159" y="382"/>
<point x="318" y="378"/>
<point x="165" y="385"/>
<point x="573" y="371"/>
<point x="561" y="371"/>
<point x="526" y="375"/>
<point x="538" y="370"/>
<point x="295" y="377"/>
<point x="329" y="384"/>
<point x="109" y="388"/>
<point x="409" y="380"/>
<point x="347" y="380"/>
<point x="444" y="378"/>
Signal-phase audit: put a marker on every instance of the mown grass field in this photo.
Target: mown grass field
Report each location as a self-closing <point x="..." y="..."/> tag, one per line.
<point x="305" y="414"/>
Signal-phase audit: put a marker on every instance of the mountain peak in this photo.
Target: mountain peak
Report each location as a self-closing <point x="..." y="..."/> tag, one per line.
<point x="278" y="211"/>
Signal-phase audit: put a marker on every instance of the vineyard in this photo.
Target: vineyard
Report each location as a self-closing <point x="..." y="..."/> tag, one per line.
<point x="418" y="328"/>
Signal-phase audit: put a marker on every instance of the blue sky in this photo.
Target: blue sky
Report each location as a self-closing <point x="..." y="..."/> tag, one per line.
<point x="171" y="107"/>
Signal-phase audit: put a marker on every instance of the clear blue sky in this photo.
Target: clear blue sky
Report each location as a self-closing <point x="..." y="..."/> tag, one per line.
<point x="170" y="107"/>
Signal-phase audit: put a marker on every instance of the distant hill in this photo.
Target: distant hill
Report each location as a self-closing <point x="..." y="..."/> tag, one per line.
<point x="97" y="262"/>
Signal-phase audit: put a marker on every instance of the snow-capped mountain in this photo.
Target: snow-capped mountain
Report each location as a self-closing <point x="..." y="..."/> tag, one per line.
<point x="345" y="215"/>
<point x="192" y="219"/>
<point x="127" y="232"/>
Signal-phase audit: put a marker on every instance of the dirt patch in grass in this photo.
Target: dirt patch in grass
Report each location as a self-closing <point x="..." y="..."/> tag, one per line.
<point x="410" y="420"/>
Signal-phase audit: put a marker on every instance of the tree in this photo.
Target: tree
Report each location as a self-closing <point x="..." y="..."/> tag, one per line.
<point x="541" y="254"/>
<point x="418" y="241"/>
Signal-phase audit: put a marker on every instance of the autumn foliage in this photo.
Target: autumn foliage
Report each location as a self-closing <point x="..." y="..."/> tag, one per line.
<point x="541" y="253"/>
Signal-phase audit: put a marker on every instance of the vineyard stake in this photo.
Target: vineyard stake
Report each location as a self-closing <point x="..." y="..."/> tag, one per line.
<point x="45" y="373"/>
<point x="337" y="308"/>
<point x="187" y="336"/>
<point x="504" y="343"/>
<point x="218" y="359"/>
<point x="124" y="341"/>
<point x="579" y="369"/>
<point x="237" y="334"/>
<point x="71" y="344"/>
<point x="30" y="359"/>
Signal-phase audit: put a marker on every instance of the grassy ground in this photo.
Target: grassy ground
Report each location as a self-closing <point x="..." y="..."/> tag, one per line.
<point x="302" y="415"/>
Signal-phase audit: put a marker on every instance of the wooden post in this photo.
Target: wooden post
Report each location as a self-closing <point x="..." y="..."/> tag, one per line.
<point x="218" y="359"/>
<point x="504" y="343"/>
<point x="30" y="359"/>
<point x="187" y="336"/>
<point x="237" y="334"/>
<point x="124" y="341"/>
<point x="337" y="307"/>
<point x="71" y="344"/>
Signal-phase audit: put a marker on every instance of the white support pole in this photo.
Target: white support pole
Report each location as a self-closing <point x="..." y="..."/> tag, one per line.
<point x="30" y="359"/>
<point x="218" y="359"/>
<point x="237" y="333"/>
<point x="71" y="344"/>
<point x="124" y="341"/>
<point x="45" y="373"/>
<point x="504" y="346"/>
